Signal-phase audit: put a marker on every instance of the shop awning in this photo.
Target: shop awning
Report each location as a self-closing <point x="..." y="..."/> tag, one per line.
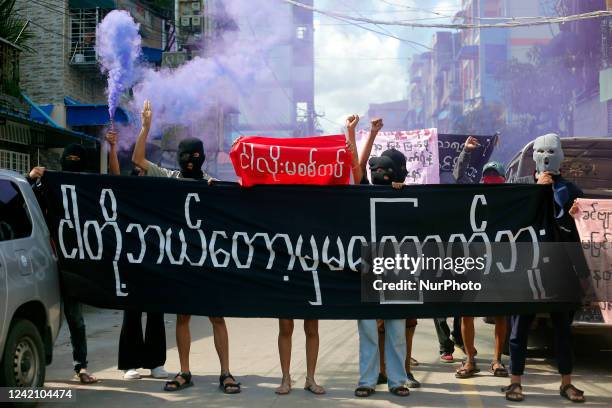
<point x="92" y="115"/>
<point x="88" y="114"/>
<point x="152" y="55"/>
<point x="81" y="114"/>
<point x="48" y="136"/>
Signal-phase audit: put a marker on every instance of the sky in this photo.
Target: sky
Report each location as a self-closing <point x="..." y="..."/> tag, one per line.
<point x="355" y="67"/>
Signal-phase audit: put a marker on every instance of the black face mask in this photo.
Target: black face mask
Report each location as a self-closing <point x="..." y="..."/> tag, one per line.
<point x="75" y="166"/>
<point x="399" y="162"/>
<point x="187" y="149"/>
<point x="383" y="170"/>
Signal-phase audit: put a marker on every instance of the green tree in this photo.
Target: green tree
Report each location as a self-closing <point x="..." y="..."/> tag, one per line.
<point x="540" y="92"/>
<point x="12" y="25"/>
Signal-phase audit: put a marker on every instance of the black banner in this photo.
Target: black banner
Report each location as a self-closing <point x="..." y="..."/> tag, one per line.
<point x="449" y="148"/>
<point x="181" y="246"/>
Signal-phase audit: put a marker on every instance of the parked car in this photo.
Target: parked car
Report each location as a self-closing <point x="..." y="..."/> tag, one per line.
<point x="30" y="306"/>
<point x="588" y="164"/>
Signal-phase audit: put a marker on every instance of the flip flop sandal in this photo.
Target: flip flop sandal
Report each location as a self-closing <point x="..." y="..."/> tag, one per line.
<point x="364" y="392"/>
<point x="501" y="371"/>
<point x="314" y="388"/>
<point x="176" y="385"/>
<point x="229" y="388"/>
<point x="86" y="378"/>
<point x="578" y="394"/>
<point x="514" y="392"/>
<point x="284" y="389"/>
<point x="463" y="372"/>
<point x="401" y="391"/>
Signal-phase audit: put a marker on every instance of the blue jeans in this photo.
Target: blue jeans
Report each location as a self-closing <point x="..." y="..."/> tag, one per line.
<point x="395" y="352"/>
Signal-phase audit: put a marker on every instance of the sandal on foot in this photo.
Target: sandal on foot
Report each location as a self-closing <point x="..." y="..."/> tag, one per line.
<point x="401" y="391"/>
<point x="577" y="396"/>
<point x="313" y="387"/>
<point x="463" y="372"/>
<point x="514" y="392"/>
<point x="412" y="382"/>
<point x="85" y="378"/>
<point x="229" y="387"/>
<point x="285" y="387"/>
<point x="176" y="385"/>
<point x="500" y="370"/>
<point x="364" y="392"/>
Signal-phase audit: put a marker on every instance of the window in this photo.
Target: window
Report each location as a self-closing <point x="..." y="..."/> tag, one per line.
<point x="15" y="220"/>
<point x="301" y="111"/>
<point x="300" y="32"/>
<point x="19" y="162"/>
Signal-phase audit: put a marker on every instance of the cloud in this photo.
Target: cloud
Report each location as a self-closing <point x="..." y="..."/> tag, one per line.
<point x="355" y="67"/>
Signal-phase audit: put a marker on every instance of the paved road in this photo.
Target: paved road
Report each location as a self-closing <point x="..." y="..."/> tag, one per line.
<point x="254" y="361"/>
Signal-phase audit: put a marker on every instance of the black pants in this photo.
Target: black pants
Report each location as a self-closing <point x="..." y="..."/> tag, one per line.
<point x="73" y="311"/>
<point x="520" y="326"/>
<point x="447" y="345"/>
<point x="138" y="352"/>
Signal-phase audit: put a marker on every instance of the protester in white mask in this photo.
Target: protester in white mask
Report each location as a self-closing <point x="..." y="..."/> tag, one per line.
<point x="548" y="157"/>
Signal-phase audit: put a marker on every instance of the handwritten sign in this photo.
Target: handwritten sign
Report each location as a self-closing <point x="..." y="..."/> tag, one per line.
<point x="419" y="146"/>
<point x="594" y="219"/>
<point x="449" y="148"/>
<point x="322" y="160"/>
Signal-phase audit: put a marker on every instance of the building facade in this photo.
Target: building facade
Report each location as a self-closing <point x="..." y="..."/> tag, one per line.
<point x="61" y="79"/>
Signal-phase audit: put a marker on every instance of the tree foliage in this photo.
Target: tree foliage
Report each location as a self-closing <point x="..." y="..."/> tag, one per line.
<point x="12" y="24"/>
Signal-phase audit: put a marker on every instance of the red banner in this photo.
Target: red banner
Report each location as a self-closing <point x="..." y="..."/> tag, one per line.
<point x="322" y="160"/>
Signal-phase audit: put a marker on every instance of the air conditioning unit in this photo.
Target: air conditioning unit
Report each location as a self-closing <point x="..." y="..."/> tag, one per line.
<point x="196" y="21"/>
<point x="185" y="21"/>
<point x="196" y="6"/>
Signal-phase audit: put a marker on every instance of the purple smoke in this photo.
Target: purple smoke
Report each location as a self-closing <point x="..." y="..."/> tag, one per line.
<point x="118" y="48"/>
<point x="238" y="65"/>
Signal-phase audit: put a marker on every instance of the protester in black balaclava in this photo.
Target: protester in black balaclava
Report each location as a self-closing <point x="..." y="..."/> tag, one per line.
<point x="191" y="158"/>
<point x="389" y="169"/>
<point x="74" y="158"/>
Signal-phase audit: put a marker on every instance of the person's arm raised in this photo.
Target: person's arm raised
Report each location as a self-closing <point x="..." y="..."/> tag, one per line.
<point x="351" y="125"/>
<point x="138" y="156"/>
<point x="113" y="160"/>
<point x="377" y="124"/>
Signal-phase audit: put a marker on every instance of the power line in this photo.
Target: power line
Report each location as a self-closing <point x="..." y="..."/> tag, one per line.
<point x="411" y="43"/>
<point x="512" y="23"/>
<point x="348" y="20"/>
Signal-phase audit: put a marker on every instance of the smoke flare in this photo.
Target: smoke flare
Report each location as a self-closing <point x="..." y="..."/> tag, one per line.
<point x="119" y="47"/>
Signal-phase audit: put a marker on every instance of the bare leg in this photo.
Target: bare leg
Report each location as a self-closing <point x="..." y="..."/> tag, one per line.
<point x="468" y="334"/>
<point x="285" y="331"/>
<point x="221" y="342"/>
<point x="311" y="329"/>
<point x="468" y="368"/>
<point x="183" y="341"/>
<point x="501" y="329"/>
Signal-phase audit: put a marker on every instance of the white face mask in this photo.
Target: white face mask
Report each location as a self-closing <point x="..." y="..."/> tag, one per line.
<point x="547" y="154"/>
